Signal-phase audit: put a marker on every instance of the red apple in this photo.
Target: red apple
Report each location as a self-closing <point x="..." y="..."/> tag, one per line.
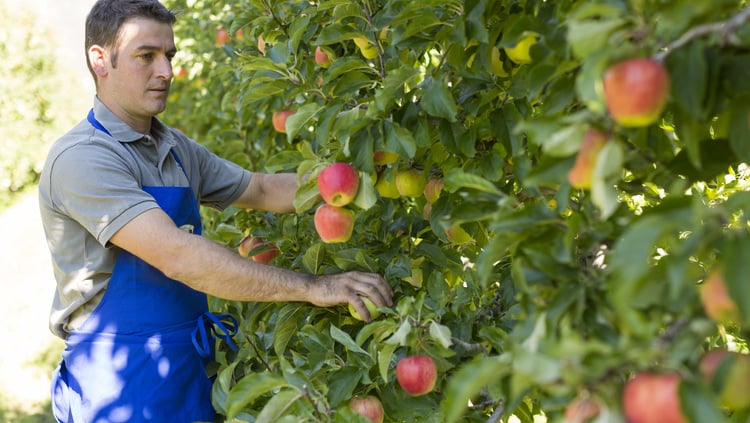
<point x="416" y="374"/>
<point x="728" y="374"/>
<point x="338" y="184"/>
<point x="653" y="398"/>
<point x="432" y="189"/>
<point x="322" y="57"/>
<point x="240" y="34"/>
<point x="249" y="243"/>
<point x="717" y="303"/>
<point x="222" y="37"/>
<point x="334" y="224"/>
<point x="369" y="407"/>
<point x="410" y="183"/>
<point x="636" y="91"/>
<point x="279" y="119"/>
<point x="582" y="410"/>
<point x="582" y="172"/>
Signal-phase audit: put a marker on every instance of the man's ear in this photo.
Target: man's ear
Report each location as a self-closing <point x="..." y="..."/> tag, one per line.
<point x="97" y="60"/>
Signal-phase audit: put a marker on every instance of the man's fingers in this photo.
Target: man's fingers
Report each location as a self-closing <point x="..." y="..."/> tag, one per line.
<point x="361" y="308"/>
<point x="375" y="288"/>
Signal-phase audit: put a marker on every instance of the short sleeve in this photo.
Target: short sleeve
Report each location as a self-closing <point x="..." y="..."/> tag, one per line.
<point x="222" y="182"/>
<point x="96" y="187"/>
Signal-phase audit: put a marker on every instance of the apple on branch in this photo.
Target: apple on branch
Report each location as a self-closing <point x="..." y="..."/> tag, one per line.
<point x="368" y="406"/>
<point x="432" y="189"/>
<point x="371" y="308"/>
<point x="416" y="374"/>
<point x="582" y="172"/>
<point x="279" y="119"/>
<point x="582" y="410"/>
<point x="338" y="184"/>
<point x="410" y="183"/>
<point x="382" y="157"/>
<point x="250" y="243"/>
<point x="323" y="57"/>
<point x="333" y="224"/>
<point x="386" y="188"/>
<point x="222" y="37"/>
<point x="653" y="398"/>
<point x="636" y="91"/>
<point x="717" y="303"/>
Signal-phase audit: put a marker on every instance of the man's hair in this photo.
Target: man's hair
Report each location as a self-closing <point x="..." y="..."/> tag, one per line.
<point x="107" y="16"/>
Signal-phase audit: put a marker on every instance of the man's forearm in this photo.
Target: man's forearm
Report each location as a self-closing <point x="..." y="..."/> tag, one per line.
<point x="209" y="267"/>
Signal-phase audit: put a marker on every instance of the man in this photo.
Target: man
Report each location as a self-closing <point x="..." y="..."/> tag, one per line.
<point x="119" y="198"/>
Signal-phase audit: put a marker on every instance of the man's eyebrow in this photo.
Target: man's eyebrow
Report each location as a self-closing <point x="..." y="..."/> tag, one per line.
<point x="154" y="48"/>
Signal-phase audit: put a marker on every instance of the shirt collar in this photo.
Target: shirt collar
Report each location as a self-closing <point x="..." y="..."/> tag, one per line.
<point x="122" y="132"/>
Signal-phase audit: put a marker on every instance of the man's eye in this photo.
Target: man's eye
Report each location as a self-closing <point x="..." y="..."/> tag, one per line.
<point x="146" y="56"/>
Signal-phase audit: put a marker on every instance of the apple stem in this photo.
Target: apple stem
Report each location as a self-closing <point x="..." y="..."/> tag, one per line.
<point x="727" y="28"/>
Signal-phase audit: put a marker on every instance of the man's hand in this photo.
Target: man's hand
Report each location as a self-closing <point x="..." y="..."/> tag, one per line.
<point x="346" y="288"/>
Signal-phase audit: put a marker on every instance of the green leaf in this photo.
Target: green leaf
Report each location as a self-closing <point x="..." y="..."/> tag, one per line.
<point x="399" y="139"/>
<point x="286" y="327"/>
<point x="366" y="196"/>
<point x="588" y="36"/>
<point x="300" y="119"/>
<point x="438" y="101"/>
<point x="688" y="77"/>
<point x="469" y="381"/>
<point x="736" y="254"/>
<point x="385" y="356"/>
<point x="457" y="179"/>
<point x="697" y="404"/>
<point x="603" y="194"/>
<point x="249" y="388"/>
<point x="277" y="406"/>
<point x="307" y="196"/>
<point x="739" y="128"/>
<point x="344" y="339"/>
<point x="313" y="258"/>
<point x="441" y="334"/>
<point x="263" y="90"/>
<point x="393" y="85"/>
<point x="342" y="383"/>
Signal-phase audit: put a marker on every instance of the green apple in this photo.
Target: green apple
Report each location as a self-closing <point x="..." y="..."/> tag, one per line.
<point x="371" y="307"/>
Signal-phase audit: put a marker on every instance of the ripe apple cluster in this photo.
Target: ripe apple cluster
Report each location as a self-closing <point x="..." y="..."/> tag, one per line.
<point x="635" y="93"/>
<point x="338" y="184"/>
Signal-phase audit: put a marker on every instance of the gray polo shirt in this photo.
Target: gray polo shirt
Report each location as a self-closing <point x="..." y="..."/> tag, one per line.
<point x="90" y="187"/>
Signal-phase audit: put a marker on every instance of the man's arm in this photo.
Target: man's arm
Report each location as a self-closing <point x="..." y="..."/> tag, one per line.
<point x="209" y="267"/>
<point x="270" y="192"/>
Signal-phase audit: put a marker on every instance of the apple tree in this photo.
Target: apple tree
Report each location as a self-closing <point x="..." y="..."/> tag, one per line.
<point x="548" y="220"/>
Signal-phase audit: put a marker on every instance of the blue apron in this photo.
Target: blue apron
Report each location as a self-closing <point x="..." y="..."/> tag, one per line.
<point x="141" y="355"/>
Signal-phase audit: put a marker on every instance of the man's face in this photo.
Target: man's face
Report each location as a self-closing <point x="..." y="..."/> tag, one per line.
<point x="137" y="88"/>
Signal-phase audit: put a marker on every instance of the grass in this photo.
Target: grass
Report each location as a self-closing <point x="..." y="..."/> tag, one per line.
<point x="13" y="411"/>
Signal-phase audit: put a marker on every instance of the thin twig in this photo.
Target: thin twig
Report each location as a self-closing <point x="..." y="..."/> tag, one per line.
<point x="727" y="28"/>
<point x="468" y="346"/>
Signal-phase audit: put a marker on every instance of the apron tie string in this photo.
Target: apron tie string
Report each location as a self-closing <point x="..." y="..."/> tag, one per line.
<point x="206" y="329"/>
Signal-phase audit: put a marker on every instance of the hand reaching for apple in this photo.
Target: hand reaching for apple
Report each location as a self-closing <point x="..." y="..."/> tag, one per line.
<point x="350" y="288"/>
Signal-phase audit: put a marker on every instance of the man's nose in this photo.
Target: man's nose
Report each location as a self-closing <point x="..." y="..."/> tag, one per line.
<point x="164" y="69"/>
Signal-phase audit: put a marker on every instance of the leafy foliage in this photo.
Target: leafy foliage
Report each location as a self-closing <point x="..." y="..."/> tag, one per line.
<point x="559" y="292"/>
<point x="35" y="108"/>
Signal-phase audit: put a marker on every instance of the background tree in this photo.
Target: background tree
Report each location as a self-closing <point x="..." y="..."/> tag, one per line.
<point x="561" y="248"/>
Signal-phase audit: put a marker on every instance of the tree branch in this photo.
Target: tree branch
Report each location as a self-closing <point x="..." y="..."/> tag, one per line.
<point x="727" y="28"/>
